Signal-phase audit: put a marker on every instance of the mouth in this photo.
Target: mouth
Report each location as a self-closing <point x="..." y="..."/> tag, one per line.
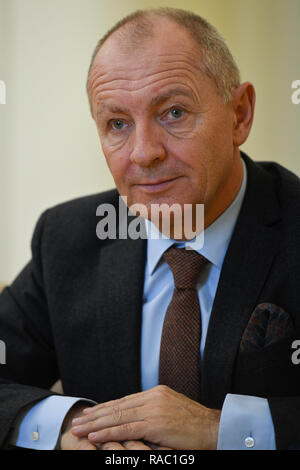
<point x="156" y="186"/>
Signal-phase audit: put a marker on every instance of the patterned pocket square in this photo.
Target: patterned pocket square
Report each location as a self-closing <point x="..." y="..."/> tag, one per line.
<point x="267" y="325"/>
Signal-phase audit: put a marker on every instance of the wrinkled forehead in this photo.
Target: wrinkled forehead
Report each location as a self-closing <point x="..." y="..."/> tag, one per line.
<point x="166" y="60"/>
<point x="170" y="47"/>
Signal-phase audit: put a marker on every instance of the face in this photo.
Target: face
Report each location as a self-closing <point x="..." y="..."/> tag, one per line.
<point x="165" y="132"/>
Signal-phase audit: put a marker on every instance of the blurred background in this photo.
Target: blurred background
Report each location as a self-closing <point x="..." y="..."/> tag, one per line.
<point x="49" y="148"/>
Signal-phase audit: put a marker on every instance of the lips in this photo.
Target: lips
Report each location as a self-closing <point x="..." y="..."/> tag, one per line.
<point x="157" y="185"/>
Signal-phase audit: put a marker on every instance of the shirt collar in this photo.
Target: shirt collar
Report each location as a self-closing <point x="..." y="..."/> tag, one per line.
<point x="216" y="237"/>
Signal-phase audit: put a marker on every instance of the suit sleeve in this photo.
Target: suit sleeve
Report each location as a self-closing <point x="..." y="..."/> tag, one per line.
<point x="30" y="366"/>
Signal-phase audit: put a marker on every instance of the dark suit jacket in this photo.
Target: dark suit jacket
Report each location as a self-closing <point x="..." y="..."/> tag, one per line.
<point x="74" y="312"/>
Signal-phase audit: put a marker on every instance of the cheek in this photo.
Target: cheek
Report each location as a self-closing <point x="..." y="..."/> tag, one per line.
<point x="118" y="165"/>
<point x="190" y="156"/>
<point x="213" y="146"/>
<point x="115" y="155"/>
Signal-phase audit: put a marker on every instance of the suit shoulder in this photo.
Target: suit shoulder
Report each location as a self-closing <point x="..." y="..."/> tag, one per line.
<point x="84" y="204"/>
<point x="287" y="180"/>
<point x="76" y="218"/>
<point x="81" y="209"/>
<point x="287" y="188"/>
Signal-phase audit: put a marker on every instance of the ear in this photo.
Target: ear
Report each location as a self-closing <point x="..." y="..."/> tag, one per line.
<point x="243" y="102"/>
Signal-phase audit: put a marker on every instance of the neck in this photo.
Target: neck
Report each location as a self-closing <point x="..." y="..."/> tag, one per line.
<point x="227" y="193"/>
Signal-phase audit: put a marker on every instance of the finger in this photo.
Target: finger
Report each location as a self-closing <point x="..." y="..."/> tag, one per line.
<point x="69" y="442"/>
<point x="124" y="432"/>
<point x="114" y="410"/>
<point x="90" y="414"/>
<point x="111" y="446"/>
<point x="131" y="400"/>
<point x="135" y="445"/>
<point x="116" y="417"/>
<point x="119" y="401"/>
<point x="85" y="444"/>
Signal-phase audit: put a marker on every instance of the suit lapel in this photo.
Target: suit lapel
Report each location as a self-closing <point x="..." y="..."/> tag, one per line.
<point x="247" y="263"/>
<point x="121" y="273"/>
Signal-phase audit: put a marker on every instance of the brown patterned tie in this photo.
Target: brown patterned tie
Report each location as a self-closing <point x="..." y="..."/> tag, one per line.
<point x="179" y="364"/>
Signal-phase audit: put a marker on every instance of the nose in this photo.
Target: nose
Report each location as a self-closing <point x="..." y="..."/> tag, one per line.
<point x="147" y="147"/>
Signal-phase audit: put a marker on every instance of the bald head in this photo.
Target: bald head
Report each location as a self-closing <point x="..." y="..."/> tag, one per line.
<point x="136" y="31"/>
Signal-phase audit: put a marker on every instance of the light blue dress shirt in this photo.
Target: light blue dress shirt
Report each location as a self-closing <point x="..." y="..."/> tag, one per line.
<point x="246" y="421"/>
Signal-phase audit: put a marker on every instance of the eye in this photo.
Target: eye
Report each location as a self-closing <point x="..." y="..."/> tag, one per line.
<point x="176" y="113"/>
<point x="173" y="114"/>
<point x="117" y="124"/>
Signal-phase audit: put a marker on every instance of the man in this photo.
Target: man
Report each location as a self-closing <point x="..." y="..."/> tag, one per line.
<point x="101" y="314"/>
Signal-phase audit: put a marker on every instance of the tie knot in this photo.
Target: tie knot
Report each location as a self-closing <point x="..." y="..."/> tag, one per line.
<point x="185" y="266"/>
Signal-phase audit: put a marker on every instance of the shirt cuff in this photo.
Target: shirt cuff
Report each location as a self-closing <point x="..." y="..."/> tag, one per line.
<point x="246" y="424"/>
<point x="41" y="425"/>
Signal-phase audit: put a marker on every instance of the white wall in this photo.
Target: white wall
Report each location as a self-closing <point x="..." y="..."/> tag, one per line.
<point x="49" y="149"/>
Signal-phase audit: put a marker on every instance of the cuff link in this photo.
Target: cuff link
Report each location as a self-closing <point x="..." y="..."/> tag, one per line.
<point x="249" y="442"/>
<point x="35" y="436"/>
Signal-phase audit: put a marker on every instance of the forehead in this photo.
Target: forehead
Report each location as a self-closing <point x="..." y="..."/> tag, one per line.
<point x="170" y="57"/>
<point x="164" y="36"/>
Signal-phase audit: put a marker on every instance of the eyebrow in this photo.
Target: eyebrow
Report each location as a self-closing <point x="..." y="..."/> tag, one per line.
<point x="156" y="100"/>
<point x="170" y="94"/>
<point x="111" y="108"/>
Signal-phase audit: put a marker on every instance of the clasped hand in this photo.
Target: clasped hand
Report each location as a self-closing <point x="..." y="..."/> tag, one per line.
<point x="159" y="418"/>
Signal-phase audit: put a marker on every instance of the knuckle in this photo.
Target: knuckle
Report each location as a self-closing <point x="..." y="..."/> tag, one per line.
<point x="128" y="428"/>
<point x="162" y="390"/>
<point x="162" y="394"/>
<point x="117" y="414"/>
